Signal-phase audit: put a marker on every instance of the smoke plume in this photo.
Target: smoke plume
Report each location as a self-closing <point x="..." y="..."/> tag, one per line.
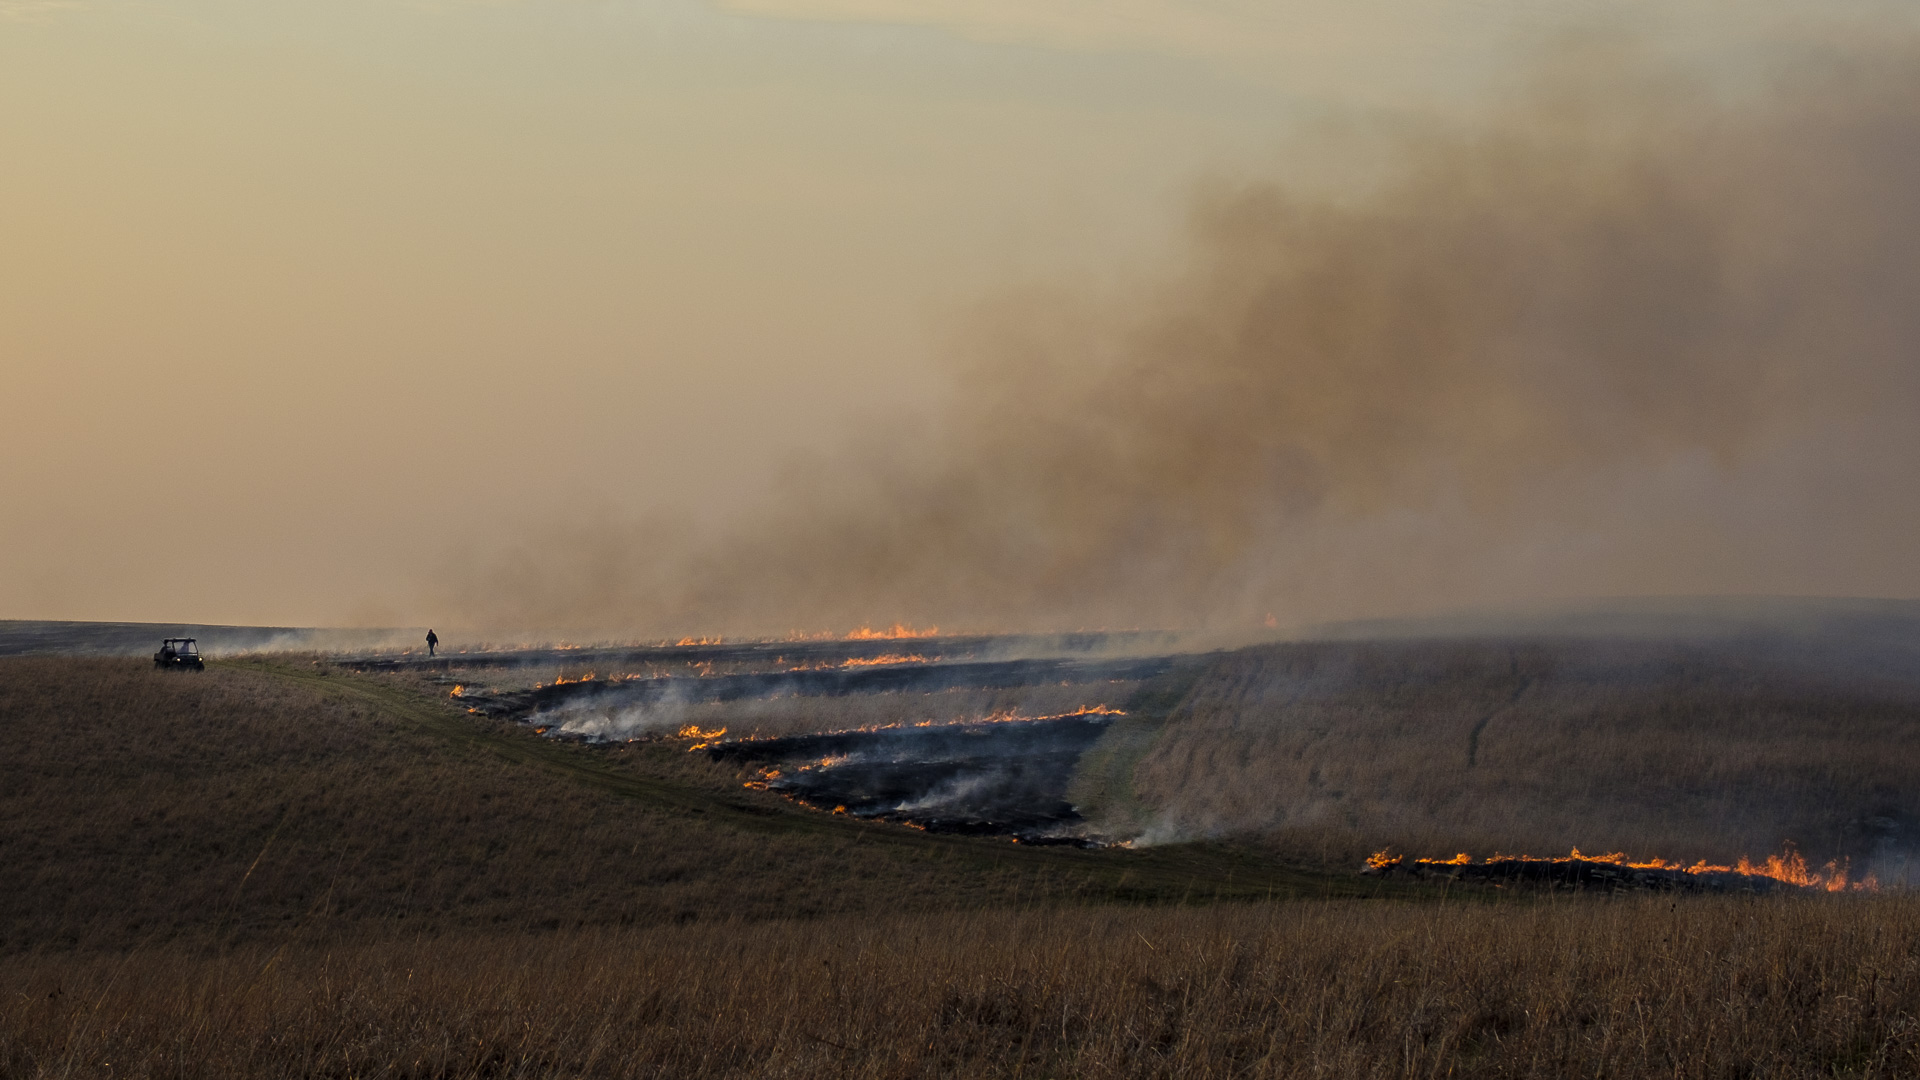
<point x="1630" y="332"/>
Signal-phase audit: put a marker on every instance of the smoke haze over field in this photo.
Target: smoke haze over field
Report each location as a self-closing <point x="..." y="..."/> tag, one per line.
<point x="1631" y="332"/>
<point x="748" y="316"/>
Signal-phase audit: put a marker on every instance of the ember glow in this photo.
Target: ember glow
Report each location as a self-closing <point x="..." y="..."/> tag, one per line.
<point x="889" y="658"/>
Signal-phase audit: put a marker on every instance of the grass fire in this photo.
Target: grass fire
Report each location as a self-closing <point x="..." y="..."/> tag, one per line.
<point x="1788" y="869"/>
<point x="541" y="854"/>
<point x="859" y="539"/>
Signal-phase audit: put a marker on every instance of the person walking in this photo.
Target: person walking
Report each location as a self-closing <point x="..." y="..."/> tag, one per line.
<point x="432" y="640"/>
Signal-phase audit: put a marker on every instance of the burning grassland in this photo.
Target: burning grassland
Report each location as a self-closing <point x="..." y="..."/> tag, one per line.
<point x="799" y="651"/>
<point x="1615" y="870"/>
<point x="843" y="695"/>
<point x="361" y="877"/>
<point x="793" y="715"/>
<point x="947" y="737"/>
<point x="1001" y="775"/>
<point x="1696" y="744"/>
<point x="896" y="632"/>
<point x="277" y="797"/>
<point x="960" y="759"/>
<point x="1692" y="748"/>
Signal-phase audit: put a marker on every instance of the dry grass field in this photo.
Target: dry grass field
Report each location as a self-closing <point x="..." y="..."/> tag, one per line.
<point x="278" y="869"/>
<point x="1684" y="750"/>
<point x="1648" y="987"/>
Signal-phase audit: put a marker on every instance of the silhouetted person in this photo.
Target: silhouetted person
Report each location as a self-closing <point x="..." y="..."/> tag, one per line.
<point x="432" y="640"/>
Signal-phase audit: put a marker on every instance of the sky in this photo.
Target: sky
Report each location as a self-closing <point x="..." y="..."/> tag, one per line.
<point x="391" y="313"/>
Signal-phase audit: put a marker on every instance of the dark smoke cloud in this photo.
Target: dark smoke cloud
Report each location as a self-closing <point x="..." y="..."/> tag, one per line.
<point x="1632" y="333"/>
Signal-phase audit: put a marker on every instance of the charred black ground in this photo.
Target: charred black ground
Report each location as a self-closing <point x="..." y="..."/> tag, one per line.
<point x="921" y="677"/>
<point x="1708" y="738"/>
<point x="1003" y="770"/>
<point x="993" y="778"/>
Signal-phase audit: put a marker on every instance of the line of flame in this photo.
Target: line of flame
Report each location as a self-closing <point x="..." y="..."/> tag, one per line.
<point x="1789" y="867"/>
<point x="892" y="633"/>
<point x="1003" y="717"/>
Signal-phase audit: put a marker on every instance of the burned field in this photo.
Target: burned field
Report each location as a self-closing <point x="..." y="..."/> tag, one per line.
<point x="961" y="736"/>
<point x="997" y="777"/>
<point x="361" y="872"/>
<point x="636" y="698"/>
<point x="1691" y="748"/>
<point x="1784" y="873"/>
<point x="713" y="656"/>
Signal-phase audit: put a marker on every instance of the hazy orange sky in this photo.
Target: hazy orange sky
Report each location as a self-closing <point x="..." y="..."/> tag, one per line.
<point x="299" y="302"/>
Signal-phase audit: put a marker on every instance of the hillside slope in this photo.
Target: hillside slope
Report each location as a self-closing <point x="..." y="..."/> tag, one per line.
<point x="261" y="796"/>
<point x="1678" y="748"/>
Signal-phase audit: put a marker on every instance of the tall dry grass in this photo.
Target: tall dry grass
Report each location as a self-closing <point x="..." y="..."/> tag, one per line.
<point x="1700" y="988"/>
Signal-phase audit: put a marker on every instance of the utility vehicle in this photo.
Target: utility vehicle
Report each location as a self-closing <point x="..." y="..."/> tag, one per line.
<point x="180" y="653"/>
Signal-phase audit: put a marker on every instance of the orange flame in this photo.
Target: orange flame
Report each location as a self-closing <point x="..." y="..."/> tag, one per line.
<point x="1002" y="717"/>
<point x="1789" y="867"/>
<point x="892" y="633"/>
<point x="865" y="661"/>
<point x="706" y="737"/>
<point x="889" y="658"/>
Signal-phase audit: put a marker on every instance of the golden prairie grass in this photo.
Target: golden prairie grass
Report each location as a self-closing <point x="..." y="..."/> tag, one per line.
<point x="1641" y="987"/>
<point x="1684" y="751"/>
